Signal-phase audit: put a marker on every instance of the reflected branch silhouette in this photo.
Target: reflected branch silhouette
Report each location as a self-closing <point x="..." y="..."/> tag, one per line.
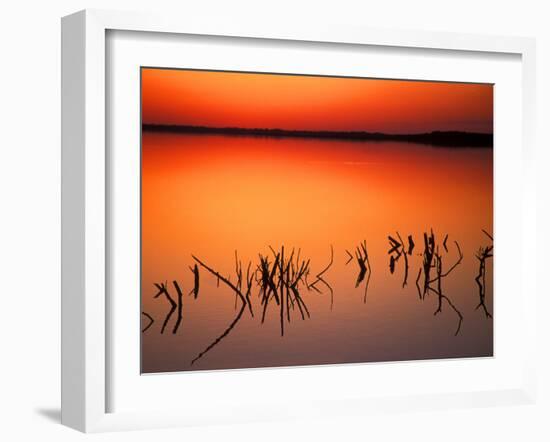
<point x="482" y="255"/>
<point x="282" y="288"/>
<point x="427" y="263"/>
<point x="417" y="284"/>
<point x="438" y="279"/>
<point x="268" y="288"/>
<point x="223" y="335"/>
<point x="163" y="290"/>
<point x="243" y="298"/>
<point x="151" y="321"/>
<point x="396" y="251"/>
<point x="362" y="258"/>
<point x="432" y="259"/>
<point x="282" y="278"/>
<point x="488" y="234"/>
<point x="411" y="245"/>
<point x="180" y="307"/>
<point x="319" y="278"/>
<point x="196" y="281"/>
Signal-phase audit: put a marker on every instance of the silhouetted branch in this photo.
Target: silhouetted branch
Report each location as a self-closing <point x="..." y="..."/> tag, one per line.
<point x="368" y="280"/>
<point x="163" y="290"/>
<point x="418" y="285"/>
<point x="249" y="277"/>
<point x="281" y="280"/>
<point x="460" y="317"/>
<point x="432" y="259"/>
<point x="350" y="257"/>
<point x="489" y="235"/>
<point x="427" y="260"/>
<point x="397" y="249"/>
<point x="411" y="245"/>
<point x="362" y="267"/>
<point x="223" y="335"/>
<point x="392" y="264"/>
<point x="438" y="280"/>
<point x="322" y="272"/>
<point x="196" y="281"/>
<point x="406" y="273"/>
<point x="239" y="273"/>
<point x="268" y="288"/>
<point x="323" y="281"/>
<point x="180" y="306"/>
<point x="460" y="256"/>
<point x="220" y="277"/>
<point x="362" y="258"/>
<point x="482" y="255"/>
<point x="282" y="286"/>
<point x="151" y="321"/>
<point x="244" y="302"/>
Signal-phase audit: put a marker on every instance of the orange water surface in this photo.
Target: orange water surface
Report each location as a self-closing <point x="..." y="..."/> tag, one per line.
<point x="212" y="195"/>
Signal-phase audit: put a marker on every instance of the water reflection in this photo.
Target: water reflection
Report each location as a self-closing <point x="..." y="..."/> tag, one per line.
<point x="321" y="280"/>
<point x="362" y="259"/>
<point x="244" y="298"/>
<point x="163" y="290"/>
<point x="336" y="203"/>
<point x="196" y="281"/>
<point x="396" y="251"/>
<point x="433" y="259"/>
<point x="282" y="280"/>
<point x="483" y="254"/>
<point x="151" y="321"/>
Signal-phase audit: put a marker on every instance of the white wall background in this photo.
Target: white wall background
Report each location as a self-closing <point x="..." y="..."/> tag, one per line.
<point x="30" y="215"/>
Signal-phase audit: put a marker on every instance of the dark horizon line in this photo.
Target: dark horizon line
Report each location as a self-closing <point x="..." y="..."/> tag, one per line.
<point x="440" y="138"/>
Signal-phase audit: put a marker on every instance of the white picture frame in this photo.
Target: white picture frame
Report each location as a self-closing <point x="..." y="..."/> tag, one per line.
<point x="86" y="316"/>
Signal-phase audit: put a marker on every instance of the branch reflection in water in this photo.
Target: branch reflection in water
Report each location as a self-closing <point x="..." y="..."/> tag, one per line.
<point x="281" y="278"/>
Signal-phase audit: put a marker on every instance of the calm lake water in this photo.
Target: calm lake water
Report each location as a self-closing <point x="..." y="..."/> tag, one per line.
<point x="210" y="196"/>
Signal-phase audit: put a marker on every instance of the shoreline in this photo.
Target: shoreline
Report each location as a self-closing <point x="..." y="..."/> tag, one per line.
<point x="436" y="138"/>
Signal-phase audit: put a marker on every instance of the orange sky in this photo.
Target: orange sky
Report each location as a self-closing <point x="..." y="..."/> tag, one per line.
<point x="228" y="99"/>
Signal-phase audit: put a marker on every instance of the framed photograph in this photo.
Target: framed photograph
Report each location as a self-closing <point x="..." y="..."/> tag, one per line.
<point x="266" y="222"/>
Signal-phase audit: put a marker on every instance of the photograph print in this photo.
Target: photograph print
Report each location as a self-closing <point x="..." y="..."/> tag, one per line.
<point x="301" y="220"/>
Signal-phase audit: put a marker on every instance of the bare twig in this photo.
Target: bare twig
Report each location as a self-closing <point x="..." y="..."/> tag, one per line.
<point x="350" y="257"/>
<point x="362" y="258"/>
<point x="397" y="249"/>
<point x="163" y="290"/>
<point x="411" y="245"/>
<point x="151" y="321"/>
<point x="483" y="254"/>
<point x="237" y="289"/>
<point x="438" y="290"/>
<point x="180" y="307"/>
<point x="418" y="285"/>
<point x="431" y="260"/>
<point x="196" y="280"/>
<point x="320" y="279"/>
<point x="460" y="256"/>
<point x="406" y="273"/>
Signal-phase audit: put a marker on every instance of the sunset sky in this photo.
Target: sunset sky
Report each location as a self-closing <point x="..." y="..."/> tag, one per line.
<point x="227" y="99"/>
